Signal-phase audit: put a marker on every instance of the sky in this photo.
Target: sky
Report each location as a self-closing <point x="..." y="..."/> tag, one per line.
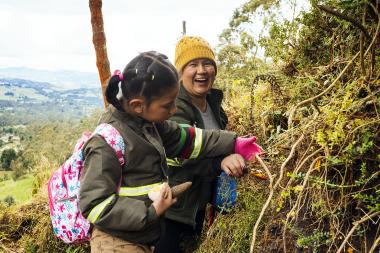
<point x="57" y="35"/>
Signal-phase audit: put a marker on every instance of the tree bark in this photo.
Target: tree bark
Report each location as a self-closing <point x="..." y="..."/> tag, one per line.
<point x="99" y="41"/>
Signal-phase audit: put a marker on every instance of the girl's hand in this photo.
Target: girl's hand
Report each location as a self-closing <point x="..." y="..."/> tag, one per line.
<point x="233" y="165"/>
<point x="163" y="200"/>
<point x="247" y="147"/>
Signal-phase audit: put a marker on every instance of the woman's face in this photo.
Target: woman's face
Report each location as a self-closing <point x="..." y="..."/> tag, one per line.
<point x="198" y="76"/>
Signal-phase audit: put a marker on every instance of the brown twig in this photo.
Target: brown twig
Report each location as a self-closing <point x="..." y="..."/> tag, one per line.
<point x="362" y="65"/>
<point x="374" y="245"/>
<point x="271" y="189"/>
<point x="302" y="163"/>
<point x="266" y="204"/>
<point x="376" y="33"/>
<point x="270" y="175"/>
<point x="373" y="58"/>
<point x="292" y="211"/>
<point x="355" y="225"/>
<point x="354" y="22"/>
<point x="306" y="101"/>
<point x="290" y="156"/>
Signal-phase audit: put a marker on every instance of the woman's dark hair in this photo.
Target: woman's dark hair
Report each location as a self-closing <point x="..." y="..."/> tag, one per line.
<point x="150" y="74"/>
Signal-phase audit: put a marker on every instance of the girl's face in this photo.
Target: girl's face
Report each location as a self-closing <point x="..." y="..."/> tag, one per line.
<point x="161" y="108"/>
<point x="198" y="76"/>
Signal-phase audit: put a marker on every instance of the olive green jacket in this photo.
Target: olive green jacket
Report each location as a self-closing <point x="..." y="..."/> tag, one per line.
<point x="200" y="172"/>
<point x="133" y="218"/>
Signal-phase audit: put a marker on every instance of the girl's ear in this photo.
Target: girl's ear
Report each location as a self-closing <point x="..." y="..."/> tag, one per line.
<point x="136" y="105"/>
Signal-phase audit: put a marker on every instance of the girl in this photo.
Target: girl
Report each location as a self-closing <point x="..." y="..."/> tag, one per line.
<point x="141" y="99"/>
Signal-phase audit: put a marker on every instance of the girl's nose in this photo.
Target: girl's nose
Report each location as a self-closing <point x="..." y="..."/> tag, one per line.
<point x="173" y="110"/>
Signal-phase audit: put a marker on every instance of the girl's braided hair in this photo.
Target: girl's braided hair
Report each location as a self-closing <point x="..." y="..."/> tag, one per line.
<point x="148" y="75"/>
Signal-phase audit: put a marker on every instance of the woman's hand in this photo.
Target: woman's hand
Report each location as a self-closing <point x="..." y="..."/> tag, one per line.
<point x="233" y="165"/>
<point x="163" y="200"/>
<point x="247" y="147"/>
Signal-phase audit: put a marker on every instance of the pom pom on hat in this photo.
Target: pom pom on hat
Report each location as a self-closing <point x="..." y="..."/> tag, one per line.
<point x="189" y="48"/>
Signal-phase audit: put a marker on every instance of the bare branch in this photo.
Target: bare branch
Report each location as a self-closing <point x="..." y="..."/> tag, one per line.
<point x="309" y="100"/>
<point x="344" y="17"/>
<point x="271" y="189"/>
<point x="376" y="243"/>
<point x="290" y="156"/>
<point x="355" y="225"/>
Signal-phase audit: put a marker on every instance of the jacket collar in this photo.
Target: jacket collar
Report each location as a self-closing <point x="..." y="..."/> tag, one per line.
<point x="135" y="122"/>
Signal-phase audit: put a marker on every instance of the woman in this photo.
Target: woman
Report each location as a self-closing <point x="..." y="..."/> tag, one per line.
<point x="198" y="104"/>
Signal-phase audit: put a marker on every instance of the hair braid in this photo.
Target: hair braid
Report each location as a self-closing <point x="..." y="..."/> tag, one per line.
<point x="112" y="90"/>
<point x="148" y="75"/>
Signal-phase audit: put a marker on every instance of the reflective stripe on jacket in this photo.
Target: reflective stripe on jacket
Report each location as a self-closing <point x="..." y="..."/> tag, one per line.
<point x="125" y="192"/>
<point x="127" y="213"/>
<point x="200" y="172"/>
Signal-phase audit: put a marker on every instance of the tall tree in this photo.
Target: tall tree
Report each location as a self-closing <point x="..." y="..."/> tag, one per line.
<point x="99" y="40"/>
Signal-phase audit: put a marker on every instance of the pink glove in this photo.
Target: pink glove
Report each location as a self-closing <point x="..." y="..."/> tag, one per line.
<point x="247" y="147"/>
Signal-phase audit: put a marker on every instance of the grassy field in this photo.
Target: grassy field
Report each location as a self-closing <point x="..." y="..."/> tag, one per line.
<point x="20" y="190"/>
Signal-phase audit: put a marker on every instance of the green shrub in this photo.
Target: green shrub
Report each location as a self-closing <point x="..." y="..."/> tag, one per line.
<point x="7" y="157"/>
<point x="9" y="200"/>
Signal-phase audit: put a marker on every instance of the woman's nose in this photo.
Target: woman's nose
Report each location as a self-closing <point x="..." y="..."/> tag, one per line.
<point x="201" y="68"/>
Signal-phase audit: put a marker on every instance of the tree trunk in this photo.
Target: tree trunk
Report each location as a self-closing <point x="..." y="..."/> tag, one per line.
<point x="99" y="40"/>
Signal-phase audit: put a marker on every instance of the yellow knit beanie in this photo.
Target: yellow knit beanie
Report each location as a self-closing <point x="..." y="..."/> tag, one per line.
<point x="189" y="48"/>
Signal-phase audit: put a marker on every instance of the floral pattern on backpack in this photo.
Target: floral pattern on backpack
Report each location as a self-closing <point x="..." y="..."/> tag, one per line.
<point x="63" y="187"/>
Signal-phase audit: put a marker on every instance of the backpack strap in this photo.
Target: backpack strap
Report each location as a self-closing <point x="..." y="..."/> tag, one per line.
<point x="113" y="138"/>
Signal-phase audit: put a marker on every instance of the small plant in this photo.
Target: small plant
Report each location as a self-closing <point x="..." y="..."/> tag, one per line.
<point x="314" y="241"/>
<point x="9" y="200"/>
<point x="31" y="247"/>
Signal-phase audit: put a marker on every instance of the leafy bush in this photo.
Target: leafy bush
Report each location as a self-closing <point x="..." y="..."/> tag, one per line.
<point x="9" y="200"/>
<point x="7" y="157"/>
<point x="326" y="90"/>
<point x="47" y="146"/>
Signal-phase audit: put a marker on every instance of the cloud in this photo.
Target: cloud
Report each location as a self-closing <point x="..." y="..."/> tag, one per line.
<point x="55" y="34"/>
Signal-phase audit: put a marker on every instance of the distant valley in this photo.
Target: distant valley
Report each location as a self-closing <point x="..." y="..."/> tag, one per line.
<point x="24" y="101"/>
<point x="60" y="79"/>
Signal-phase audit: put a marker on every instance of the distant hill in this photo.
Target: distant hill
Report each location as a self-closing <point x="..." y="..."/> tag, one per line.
<point x="62" y="79"/>
<point x="24" y="101"/>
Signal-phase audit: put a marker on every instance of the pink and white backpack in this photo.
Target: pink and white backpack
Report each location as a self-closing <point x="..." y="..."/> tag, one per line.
<point x="63" y="188"/>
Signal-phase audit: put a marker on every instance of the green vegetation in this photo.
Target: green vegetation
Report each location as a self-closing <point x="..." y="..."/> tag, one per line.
<point x="315" y="110"/>
<point x="20" y="190"/>
<point x="30" y="221"/>
<point x="7" y="156"/>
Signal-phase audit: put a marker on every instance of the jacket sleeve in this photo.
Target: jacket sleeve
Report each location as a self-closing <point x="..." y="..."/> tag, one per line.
<point x="100" y="181"/>
<point x="185" y="115"/>
<point x="184" y="141"/>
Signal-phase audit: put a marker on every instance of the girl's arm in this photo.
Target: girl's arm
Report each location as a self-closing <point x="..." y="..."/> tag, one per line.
<point x="188" y="142"/>
<point x="98" y="201"/>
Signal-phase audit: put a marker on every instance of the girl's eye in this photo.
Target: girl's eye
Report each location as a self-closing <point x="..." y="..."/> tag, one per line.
<point x="168" y="106"/>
